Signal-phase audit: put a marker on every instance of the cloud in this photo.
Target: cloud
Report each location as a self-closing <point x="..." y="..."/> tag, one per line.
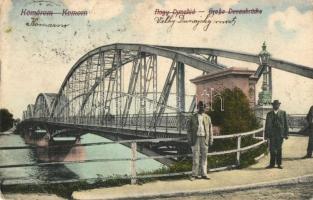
<point x="290" y="19"/>
<point x="144" y="26"/>
<point x="5" y="7"/>
<point x="294" y="30"/>
<point x="97" y="9"/>
<point x="144" y="29"/>
<point x="290" y="38"/>
<point x="288" y="34"/>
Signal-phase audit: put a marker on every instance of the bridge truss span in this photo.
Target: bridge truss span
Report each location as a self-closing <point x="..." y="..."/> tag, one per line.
<point x="120" y="81"/>
<point x="126" y="85"/>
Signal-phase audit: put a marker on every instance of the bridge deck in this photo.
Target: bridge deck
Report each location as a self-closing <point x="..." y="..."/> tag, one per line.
<point x="160" y="132"/>
<point x="293" y="149"/>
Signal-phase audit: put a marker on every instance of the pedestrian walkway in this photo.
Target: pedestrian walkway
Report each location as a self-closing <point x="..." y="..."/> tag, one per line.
<point x="36" y="196"/>
<point x="294" y="167"/>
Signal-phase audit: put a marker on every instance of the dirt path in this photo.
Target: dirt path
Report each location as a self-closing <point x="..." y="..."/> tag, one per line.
<point x="288" y="192"/>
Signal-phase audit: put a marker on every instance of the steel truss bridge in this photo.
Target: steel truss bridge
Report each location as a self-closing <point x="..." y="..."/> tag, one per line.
<point x="115" y="89"/>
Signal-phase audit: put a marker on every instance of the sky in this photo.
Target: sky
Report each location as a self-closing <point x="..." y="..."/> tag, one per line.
<point x="37" y="59"/>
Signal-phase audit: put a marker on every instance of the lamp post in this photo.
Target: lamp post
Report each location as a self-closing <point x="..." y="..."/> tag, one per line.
<point x="265" y="96"/>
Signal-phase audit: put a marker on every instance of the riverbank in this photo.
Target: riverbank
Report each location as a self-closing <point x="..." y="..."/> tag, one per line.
<point x="8" y="132"/>
<point x="32" y="197"/>
<point x="53" y="178"/>
<point x="255" y="175"/>
<point x="252" y="178"/>
<point x="64" y="188"/>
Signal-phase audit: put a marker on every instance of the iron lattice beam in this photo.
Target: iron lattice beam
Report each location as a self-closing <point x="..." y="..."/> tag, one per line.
<point x="132" y="85"/>
<point x="164" y="94"/>
<point x="112" y="80"/>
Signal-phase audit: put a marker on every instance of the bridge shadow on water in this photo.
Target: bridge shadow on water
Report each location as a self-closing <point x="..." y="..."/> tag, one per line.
<point x="79" y="160"/>
<point x="54" y="150"/>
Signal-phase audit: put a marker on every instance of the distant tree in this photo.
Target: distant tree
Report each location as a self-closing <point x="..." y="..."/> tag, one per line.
<point x="237" y="115"/>
<point x="16" y="121"/>
<point x="6" y="119"/>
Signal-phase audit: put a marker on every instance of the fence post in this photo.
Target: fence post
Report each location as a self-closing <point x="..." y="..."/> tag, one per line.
<point x="154" y="125"/>
<point x="179" y="122"/>
<point x="137" y="122"/>
<point x="238" y="149"/>
<point x="263" y="134"/>
<point x="133" y="163"/>
<point x="166" y="122"/>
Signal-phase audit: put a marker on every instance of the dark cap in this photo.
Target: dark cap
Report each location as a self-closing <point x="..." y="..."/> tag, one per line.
<point x="276" y="102"/>
<point x="200" y="104"/>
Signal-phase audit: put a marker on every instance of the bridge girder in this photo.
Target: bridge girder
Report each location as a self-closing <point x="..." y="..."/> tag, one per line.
<point x="43" y="104"/>
<point x="147" y="50"/>
<point x="96" y="79"/>
<point x="273" y="62"/>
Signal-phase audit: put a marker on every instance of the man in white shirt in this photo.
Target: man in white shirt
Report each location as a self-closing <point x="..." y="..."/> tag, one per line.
<point x="200" y="136"/>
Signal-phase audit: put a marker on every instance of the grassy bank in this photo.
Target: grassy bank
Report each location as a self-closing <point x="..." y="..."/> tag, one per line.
<point x="247" y="158"/>
<point x="65" y="189"/>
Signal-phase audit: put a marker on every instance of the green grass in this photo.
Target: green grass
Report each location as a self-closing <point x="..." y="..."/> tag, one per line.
<point x="246" y="158"/>
<point x="65" y="189"/>
<point x="216" y="161"/>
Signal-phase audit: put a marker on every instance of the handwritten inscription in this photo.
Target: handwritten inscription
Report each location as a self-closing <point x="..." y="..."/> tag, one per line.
<point x="65" y="12"/>
<point x="202" y="18"/>
<point x="35" y="22"/>
<point x="35" y="15"/>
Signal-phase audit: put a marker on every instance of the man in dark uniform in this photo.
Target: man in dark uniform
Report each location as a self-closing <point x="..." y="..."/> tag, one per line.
<point x="276" y="130"/>
<point x="309" y="118"/>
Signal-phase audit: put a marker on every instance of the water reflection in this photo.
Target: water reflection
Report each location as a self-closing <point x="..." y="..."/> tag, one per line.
<point x="46" y="153"/>
<point x="56" y="149"/>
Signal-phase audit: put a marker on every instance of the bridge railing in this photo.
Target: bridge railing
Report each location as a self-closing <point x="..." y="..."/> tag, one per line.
<point x="134" y="158"/>
<point x="166" y="122"/>
<point x="296" y="122"/>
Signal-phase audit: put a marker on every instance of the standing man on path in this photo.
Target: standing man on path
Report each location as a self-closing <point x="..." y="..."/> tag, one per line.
<point x="309" y="118"/>
<point x="276" y="130"/>
<point x="200" y="136"/>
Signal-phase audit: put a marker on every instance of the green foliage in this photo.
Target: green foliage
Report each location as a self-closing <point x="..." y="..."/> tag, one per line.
<point x="65" y="189"/>
<point x="247" y="159"/>
<point x="6" y="119"/>
<point x="237" y="115"/>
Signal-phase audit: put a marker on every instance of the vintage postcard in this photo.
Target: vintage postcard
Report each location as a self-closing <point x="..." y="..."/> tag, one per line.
<point x="156" y="99"/>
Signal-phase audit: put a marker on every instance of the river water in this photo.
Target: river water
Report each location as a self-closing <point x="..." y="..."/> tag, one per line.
<point x="87" y="170"/>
